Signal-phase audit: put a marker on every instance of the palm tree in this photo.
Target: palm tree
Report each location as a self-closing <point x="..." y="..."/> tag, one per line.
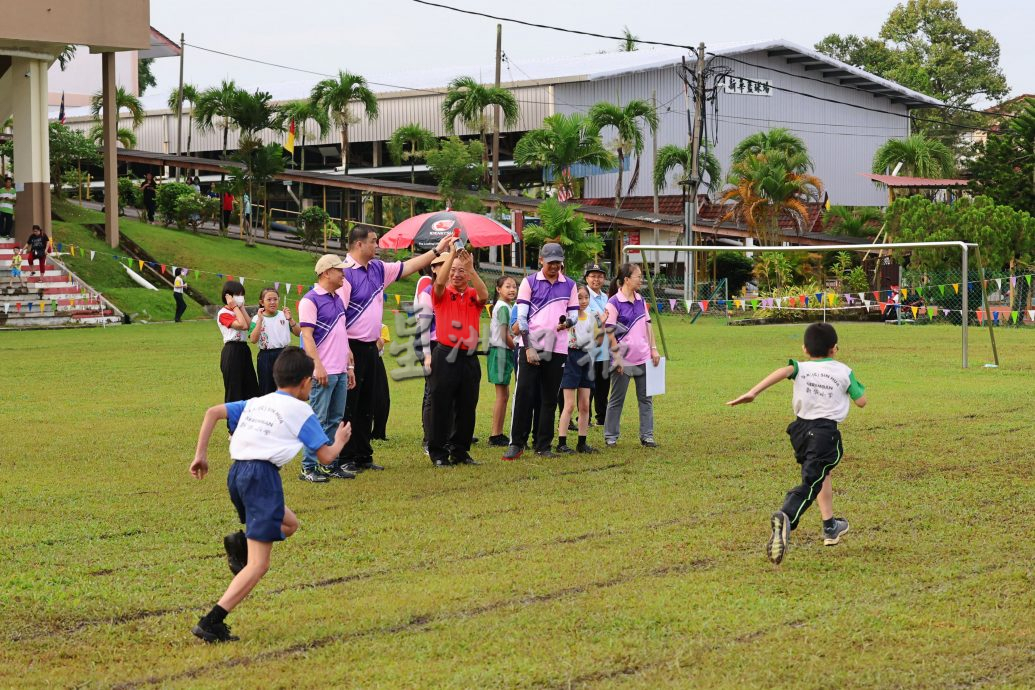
<point x="765" y="187"/>
<point x="777" y="139"/>
<point x="216" y="103"/>
<point x="301" y="113"/>
<point x="671" y="157"/>
<point x="919" y="156"/>
<point x="190" y="95"/>
<point x="466" y="100"/>
<point x="261" y="164"/>
<point x="628" y="43"/>
<point x="253" y="113"/>
<point x="630" y="136"/>
<point x="561" y="224"/>
<point x="563" y="141"/>
<point x="419" y="141"/>
<point x="861" y="221"/>
<point x="124" y="136"/>
<point x="123" y="99"/>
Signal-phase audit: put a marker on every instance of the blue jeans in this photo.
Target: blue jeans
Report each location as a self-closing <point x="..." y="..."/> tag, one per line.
<point x="328" y="403"/>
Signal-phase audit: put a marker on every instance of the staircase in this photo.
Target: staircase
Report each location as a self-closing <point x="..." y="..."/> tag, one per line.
<point x="57" y="298"/>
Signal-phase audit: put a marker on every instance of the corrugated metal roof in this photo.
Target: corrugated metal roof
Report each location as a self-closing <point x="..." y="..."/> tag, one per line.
<point x="899" y="181"/>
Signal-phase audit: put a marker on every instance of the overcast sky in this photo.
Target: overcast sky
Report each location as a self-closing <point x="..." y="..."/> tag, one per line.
<point x="379" y="36"/>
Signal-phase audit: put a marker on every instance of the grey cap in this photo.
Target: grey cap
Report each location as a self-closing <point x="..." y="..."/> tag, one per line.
<point x="551" y="252"/>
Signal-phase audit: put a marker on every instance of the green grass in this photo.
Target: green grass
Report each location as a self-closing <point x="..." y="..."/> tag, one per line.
<point x="628" y="569"/>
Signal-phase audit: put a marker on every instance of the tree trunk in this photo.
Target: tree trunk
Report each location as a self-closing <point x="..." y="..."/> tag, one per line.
<point x="223" y="229"/>
<point x="266" y="210"/>
<point x="346" y="194"/>
<point x="618" y="182"/>
<point x="301" y="185"/>
<point x="485" y="159"/>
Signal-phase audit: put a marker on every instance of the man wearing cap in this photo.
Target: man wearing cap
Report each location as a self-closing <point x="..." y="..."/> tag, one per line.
<point x="368" y="277"/>
<point x="321" y="317"/>
<point x="458" y="296"/>
<point x="547" y="304"/>
<point x="595" y="279"/>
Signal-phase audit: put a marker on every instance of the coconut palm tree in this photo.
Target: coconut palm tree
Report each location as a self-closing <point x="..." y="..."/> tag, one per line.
<point x="261" y="164"/>
<point x="466" y="101"/>
<point x="214" y="105"/>
<point x="673" y="157"/>
<point x="626" y="121"/>
<point x="861" y="221"/>
<point x="124" y="136"/>
<point x="252" y="113"/>
<point x="190" y="95"/>
<point x="123" y="100"/>
<point x="766" y="186"/>
<point x="308" y="119"/>
<point x="419" y="141"/>
<point x="336" y="96"/>
<point x="776" y="139"/>
<point x="628" y="42"/>
<point x="919" y="156"/>
<point x="561" y="224"/>
<point x="560" y="143"/>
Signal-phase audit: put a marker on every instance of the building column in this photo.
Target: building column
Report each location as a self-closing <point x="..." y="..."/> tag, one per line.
<point x="109" y="116"/>
<point x="32" y="144"/>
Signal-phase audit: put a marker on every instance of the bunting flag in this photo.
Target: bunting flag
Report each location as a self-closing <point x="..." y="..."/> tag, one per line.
<point x="141" y="263"/>
<point x="980" y="315"/>
<point x="932" y="312"/>
<point x="1013" y="317"/>
<point x="905" y="293"/>
<point x="92" y="254"/>
<point x="704" y="305"/>
<point x="956" y="288"/>
<point x="672" y="305"/>
<point x="240" y="279"/>
<point x="1028" y="278"/>
<point x="1031" y="314"/>
<point x="942" y="288"/>
<point x="398" y="299"/>
<point x="995" y="318"/>
<point x="163" y="268"/>
<point x="299" y="287"/>
<point x="687" y="304"/>
<point x="915" y="310"/>
<point x="833" y="298"/>
<point x="276" y="286"/>
<point x="287" y="288"/>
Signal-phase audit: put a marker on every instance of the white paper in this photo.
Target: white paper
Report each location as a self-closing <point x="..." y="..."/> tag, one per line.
<point x="655" y="377"/>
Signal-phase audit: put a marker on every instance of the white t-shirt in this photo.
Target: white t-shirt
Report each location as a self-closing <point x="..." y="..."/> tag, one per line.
<point x="276" y="331"/>
<point x="580" y="336"/>
<point x="178" y="285"/>
<point x="273" y="428"/>
<point x="499" y="325"/>
<point x="224" y="318"/>
<point x="822" y="389"/>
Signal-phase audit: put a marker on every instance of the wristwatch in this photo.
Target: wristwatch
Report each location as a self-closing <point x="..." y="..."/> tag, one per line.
<point x="436" y="252"/>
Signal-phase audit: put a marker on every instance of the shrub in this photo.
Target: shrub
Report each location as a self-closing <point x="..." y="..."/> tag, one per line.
<point x="735" y="267"/>
<point x="129" y="194"/>
<point x="192" y="210"/>
<point x="166" y="200"/>
<point x="311" y="225"/>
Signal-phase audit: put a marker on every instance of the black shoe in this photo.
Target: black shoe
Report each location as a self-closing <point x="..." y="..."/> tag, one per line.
<point x="648" y="442"/>
<point x="441" y="462"/>
<point x="342" y="472"/>
<point x="465" y="459"/>
<point x="572" y="426"/>
<point x="513" y="452"/>
<point x="564" y="450"/>
<point x="546" y="453"/>
<point x="586" y="449"/>
<point x="364" y="466"/>
<point x="236" y="546"/>
<point x="499" y="441"/>
<point x="474" y="439"/>
<point x="314" y="475"/>
<point x="213" y="632"/>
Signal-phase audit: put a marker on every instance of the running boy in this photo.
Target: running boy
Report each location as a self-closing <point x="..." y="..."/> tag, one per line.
<point x="822" y="389"/>
<point x="267" y="433"/>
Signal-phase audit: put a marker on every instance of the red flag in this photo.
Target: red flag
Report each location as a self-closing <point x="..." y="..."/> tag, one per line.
<point x="299" y="289"/>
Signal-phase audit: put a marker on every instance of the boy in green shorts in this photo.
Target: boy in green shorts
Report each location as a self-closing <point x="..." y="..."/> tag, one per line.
<point x="823" y="388"/>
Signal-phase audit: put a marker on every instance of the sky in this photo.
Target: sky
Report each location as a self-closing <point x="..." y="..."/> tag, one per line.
<point x="399" y="36"/>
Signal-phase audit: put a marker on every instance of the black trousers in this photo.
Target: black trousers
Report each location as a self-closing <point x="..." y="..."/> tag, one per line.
<point x="601" y="390"/>
<point x="181" y="305"/>
<point x="264" y="363"/>
<point x="544" y="379"/>
<point x="382" y="401"/>
<point x="453" y="389"/>
<point x="6" y="224"/>
<point x="818" y="449"/>
<point x="359" y="408"/>
<point x="150" y="206"/>
<point x="235" y="363"/>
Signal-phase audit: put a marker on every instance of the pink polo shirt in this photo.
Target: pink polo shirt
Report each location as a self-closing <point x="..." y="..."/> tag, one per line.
<point x="324" y="312"/>
<point x="366" y="306"/>
<point x="547" y="302"/>
<point x="631" y="321"/>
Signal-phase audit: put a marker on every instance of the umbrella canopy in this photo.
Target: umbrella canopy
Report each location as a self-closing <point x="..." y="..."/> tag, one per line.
<point x="425" y="231"/>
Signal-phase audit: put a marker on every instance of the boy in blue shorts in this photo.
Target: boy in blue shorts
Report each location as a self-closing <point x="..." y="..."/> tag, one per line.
<point x="267" y="433"/>
<point x="823" y="388"/>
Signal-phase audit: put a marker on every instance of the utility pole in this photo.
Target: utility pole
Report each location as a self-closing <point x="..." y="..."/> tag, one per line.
<point x="496" y="108"/>
<point x="654" y="148"/>
<point x="690" y="209"/>
<point x="179" y="113"/>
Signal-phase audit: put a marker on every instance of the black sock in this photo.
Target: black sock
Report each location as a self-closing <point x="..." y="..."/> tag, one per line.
<point x="562" y="441"/>
<point x="216" y="615"/>
<point x="827" y="524"/>
<point x="582" y="442"/>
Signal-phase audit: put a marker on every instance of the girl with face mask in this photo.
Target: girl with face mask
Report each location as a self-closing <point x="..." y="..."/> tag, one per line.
<point x="239" y="382"/>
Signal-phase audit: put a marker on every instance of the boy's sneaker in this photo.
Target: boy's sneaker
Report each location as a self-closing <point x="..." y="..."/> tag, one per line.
<point x="513" y="452"/>
<point x="314" y="475"/>
<point x="214" y="632"/>
<point x="342" y="472"/>
<point x="236" y="546"/>
<point x="832" y="535"/>
<point x="564" y="449"/>
<point x="777" y="546"/>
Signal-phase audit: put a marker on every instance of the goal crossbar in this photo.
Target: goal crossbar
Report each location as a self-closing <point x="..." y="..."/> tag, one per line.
<point x="964" y="248"/>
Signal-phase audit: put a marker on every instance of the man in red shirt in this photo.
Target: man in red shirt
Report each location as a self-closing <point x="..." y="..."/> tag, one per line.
<point x="228" y="208"/>
<point x="458" y="297"/>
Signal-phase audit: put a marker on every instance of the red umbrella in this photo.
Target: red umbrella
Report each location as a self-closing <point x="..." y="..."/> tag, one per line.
<point x="425" y="231"/>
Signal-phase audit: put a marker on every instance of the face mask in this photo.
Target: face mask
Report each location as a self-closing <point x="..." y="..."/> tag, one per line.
<point x="239" y="299"/>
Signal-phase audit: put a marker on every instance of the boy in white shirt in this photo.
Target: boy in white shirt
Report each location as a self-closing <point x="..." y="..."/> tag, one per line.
<point x="822" y="390"/>
<point x="267" y="432"/>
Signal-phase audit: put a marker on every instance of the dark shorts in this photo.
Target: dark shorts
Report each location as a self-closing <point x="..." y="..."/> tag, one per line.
<point x="258" y="495"/>
<point x="577" y="375"/>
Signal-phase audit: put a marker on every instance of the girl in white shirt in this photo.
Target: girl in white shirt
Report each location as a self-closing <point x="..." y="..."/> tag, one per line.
<point x="500" y="361"/>
<point x="271" y="329"/>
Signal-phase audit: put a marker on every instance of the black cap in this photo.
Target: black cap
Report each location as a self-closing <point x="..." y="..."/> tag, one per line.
<point x="594" y="268"/>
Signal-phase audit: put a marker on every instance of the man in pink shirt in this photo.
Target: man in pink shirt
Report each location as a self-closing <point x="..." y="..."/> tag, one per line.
<point x="368" y="277"/>
<point x="547" y="305"/>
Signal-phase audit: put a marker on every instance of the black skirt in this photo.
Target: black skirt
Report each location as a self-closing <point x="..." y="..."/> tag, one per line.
<point x="239" y="381"/>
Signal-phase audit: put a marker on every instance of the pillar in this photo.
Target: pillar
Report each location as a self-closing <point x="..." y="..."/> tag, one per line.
<point x="110" y="120"/>
<point x="32" y="146"/>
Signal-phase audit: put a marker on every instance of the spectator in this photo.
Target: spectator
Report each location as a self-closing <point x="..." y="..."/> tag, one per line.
<point x="236" y="360"/>
<point x="271" y="329"/>
<point x="7" y="199"/>
<point x="37" y="247"/>
<point x="228" y="209"/>
<point x="458" y="295"/>
<point x="632" y="343"/>
<point x="178" y="285"/>
<point x="577" y="381"/>
<point x="368" y="277"/>
<point x="595" y="279"/>
<point x="547" y="304"/>
<point x="149" y="192"/>
<point x="500" y="362"/>
<point x="321" y="315"/>
<point x="195" y="183"/>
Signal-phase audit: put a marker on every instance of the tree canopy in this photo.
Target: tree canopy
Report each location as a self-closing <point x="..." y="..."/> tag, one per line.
<point x="1003" y="166"/>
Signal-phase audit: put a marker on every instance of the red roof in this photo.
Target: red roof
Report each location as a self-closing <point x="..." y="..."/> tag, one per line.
<point x="899" y="181"/>
<point x="707" y="212"/>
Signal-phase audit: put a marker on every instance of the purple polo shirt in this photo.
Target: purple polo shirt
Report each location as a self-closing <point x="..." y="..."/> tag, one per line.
<point x="324" y="312"/>
<point x="547" y="302"/>
<point x="366" y="305"/>
<point x="631" y="322"/>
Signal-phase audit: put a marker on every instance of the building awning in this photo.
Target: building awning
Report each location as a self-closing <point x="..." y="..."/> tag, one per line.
<point x="897" y="181"/>
<point x="161" y="46"/>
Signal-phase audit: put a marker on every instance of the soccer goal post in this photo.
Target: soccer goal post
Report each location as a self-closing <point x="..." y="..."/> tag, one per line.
<point x="964" y="247"/>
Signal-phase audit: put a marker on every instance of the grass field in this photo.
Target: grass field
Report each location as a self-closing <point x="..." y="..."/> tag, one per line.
<point x="628" y="569"/>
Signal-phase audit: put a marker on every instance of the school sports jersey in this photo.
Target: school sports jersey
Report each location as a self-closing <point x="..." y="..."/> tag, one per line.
<point x="541" y="304"/>
<point x="499" y="324"/>
<point x="580" y="336"/>
<point x="225" y="318"/>
<point x="367" y="303"/>
<point x="276" y="331"/>
<point x="273" y="428"/>
<point x="631" y="320"/>
<point x="822" y="388"/>
<point x="325" y="314"/>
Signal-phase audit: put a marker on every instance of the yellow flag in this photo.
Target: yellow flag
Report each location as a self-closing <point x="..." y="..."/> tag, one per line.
<point x="905" y="293"/>
<point x="397" y="299"/>
<point x="956" y="287"/>
<point x="141" y="262"/>
<point x="289" y="143"/>
<point x="827" y="205"/>
<point x="915" y="310"/>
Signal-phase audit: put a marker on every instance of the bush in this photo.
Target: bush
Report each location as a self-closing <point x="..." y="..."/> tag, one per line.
<point x="129" y="194"/>
<point x="192" y="210"/>
<point x="736" y="268"/>
<point x="166" y="200"/>
<point x="311" y="225"/>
